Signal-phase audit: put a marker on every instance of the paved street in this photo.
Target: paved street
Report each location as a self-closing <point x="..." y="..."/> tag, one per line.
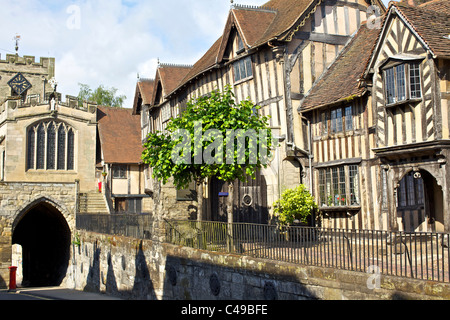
<point x="52" y="293"/>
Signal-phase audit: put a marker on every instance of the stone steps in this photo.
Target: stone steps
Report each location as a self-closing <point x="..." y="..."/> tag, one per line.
<point x="92" y="203"/>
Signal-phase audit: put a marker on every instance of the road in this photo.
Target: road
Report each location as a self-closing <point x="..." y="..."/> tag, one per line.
<point x="52" y="293"/>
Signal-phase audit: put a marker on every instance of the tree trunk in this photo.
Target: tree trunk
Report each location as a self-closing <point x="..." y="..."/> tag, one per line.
<point x="230" y="216"/>
<point x="199" y="185"/>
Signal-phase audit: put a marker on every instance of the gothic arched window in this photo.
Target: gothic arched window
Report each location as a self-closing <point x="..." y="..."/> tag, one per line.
<point x="50" y="146"/>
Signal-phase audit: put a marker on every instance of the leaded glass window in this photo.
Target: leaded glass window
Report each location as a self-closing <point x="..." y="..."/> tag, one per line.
<point x="243" y="69"/>
<point x="51" y="150"/>
<point x="339" y="186"/>
<point x="70" y="147"/>
<point x="50" y="146"/>
<point x="414" y="76"/>
<point x="31" y="148"/>
<point x="400" y="78"/>
<point x="61" y="148"/>
<point x="40" y="148"/>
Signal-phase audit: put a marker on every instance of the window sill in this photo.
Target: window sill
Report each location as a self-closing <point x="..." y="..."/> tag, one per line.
<point x="399" y="103"/>
<point x="43" y="171"/>
<point x="340" y="208"/>
<point x="335" y="135"/>
<point x="243" y="80"/>
<point x="409" y="208"/>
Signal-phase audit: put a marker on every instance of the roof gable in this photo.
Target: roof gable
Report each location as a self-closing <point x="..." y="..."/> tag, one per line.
<point x="433" y="27"/>
<point x="143" y="94"/>
<point x="168" y="77"/>
<point x="250" y="23"/>
<point x="429" y="28"/>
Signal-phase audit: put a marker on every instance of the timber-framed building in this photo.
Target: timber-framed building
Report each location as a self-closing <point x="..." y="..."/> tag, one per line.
<point x="381" y="112"/>
<point x="273" y="54"/>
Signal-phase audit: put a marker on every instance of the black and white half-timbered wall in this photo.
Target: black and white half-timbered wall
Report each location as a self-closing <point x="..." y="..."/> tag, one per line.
<point x="409" y="74"/>
<point x="380" y="119"/>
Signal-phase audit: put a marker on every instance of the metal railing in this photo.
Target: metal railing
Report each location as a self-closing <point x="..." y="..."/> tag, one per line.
<point x="129" y="225"/>
<point x="419" y="255"/>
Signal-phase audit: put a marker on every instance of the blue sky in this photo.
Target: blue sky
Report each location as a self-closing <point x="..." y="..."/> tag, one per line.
<point x="110" y="41"/>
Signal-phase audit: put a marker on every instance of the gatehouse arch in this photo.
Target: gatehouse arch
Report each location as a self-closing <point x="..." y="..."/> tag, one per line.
<point x="44" y="235"/>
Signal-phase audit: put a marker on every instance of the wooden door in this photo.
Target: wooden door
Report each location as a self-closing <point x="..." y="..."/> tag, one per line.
<point x="250" y="200"/>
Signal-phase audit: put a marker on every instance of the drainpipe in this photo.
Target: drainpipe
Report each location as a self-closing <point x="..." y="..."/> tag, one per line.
<point x="310" y="155"/>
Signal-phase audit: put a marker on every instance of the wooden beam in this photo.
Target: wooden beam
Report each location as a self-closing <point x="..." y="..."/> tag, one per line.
<point x="323" y="37"/>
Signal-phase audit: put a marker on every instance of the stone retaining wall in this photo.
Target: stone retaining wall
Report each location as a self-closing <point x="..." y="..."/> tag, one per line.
<point x="140" y="269"/>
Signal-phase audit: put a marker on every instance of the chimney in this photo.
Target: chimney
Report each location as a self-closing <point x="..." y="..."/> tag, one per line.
<point x="411" y="3"/>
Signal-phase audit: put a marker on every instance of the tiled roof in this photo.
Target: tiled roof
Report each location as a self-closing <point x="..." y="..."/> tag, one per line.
<point x="170" y="76"/>
<point x="442" y="6"/>
<point x="120" y="135"/>
<point x="432" y="26"/>
<point x="341" y="81"/>
<point x="253" y="24"/>
<point x="144" y="90"/>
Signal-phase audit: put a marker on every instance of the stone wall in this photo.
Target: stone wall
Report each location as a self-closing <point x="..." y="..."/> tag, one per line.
<point x="140" y="269"/>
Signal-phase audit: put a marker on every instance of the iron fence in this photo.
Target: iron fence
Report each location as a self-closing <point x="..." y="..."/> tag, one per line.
<point x="129" y="225"/>
<point x="420" y="255"/>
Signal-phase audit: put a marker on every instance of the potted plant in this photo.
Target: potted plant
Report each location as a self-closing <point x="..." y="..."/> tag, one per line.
<point x="296" y="205"/>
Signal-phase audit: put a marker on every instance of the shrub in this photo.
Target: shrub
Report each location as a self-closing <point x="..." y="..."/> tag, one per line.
<point x="296" y="203"/>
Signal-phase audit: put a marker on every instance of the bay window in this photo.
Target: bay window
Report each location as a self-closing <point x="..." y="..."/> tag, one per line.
<point x="402" y="82"/>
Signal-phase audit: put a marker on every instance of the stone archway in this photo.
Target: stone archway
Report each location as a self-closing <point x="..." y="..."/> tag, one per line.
<point x="44" y="234"/>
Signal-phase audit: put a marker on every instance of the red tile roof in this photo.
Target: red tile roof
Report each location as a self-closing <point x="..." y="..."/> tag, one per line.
<point x="120" y="135"/>
<point x="169" y="76"/>
<point x="432" y="26"/>
<point x="442" y="6"/>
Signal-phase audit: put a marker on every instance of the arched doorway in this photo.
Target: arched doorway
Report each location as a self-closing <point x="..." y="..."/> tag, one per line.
<point x="420" y="202"/>
<point x="44" y="235"/>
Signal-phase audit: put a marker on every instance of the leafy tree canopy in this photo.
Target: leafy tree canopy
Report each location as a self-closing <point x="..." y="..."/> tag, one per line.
<point x="102" y="96"/>
<point x="200" y="142"/>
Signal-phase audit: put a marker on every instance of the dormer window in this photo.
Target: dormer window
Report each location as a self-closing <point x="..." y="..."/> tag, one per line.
<point x="402" y="82"/>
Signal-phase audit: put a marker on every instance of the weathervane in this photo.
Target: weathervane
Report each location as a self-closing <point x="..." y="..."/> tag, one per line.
<point x="17" y="38"/>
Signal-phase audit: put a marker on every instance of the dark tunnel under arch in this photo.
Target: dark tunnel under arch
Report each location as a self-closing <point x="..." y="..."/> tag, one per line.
<point x="44" y="235"/>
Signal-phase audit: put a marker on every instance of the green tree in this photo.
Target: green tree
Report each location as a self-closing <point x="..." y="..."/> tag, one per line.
<point x="102" y="96"/>
<point x="199" y="144"/>
<point x="296" y="203"/>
